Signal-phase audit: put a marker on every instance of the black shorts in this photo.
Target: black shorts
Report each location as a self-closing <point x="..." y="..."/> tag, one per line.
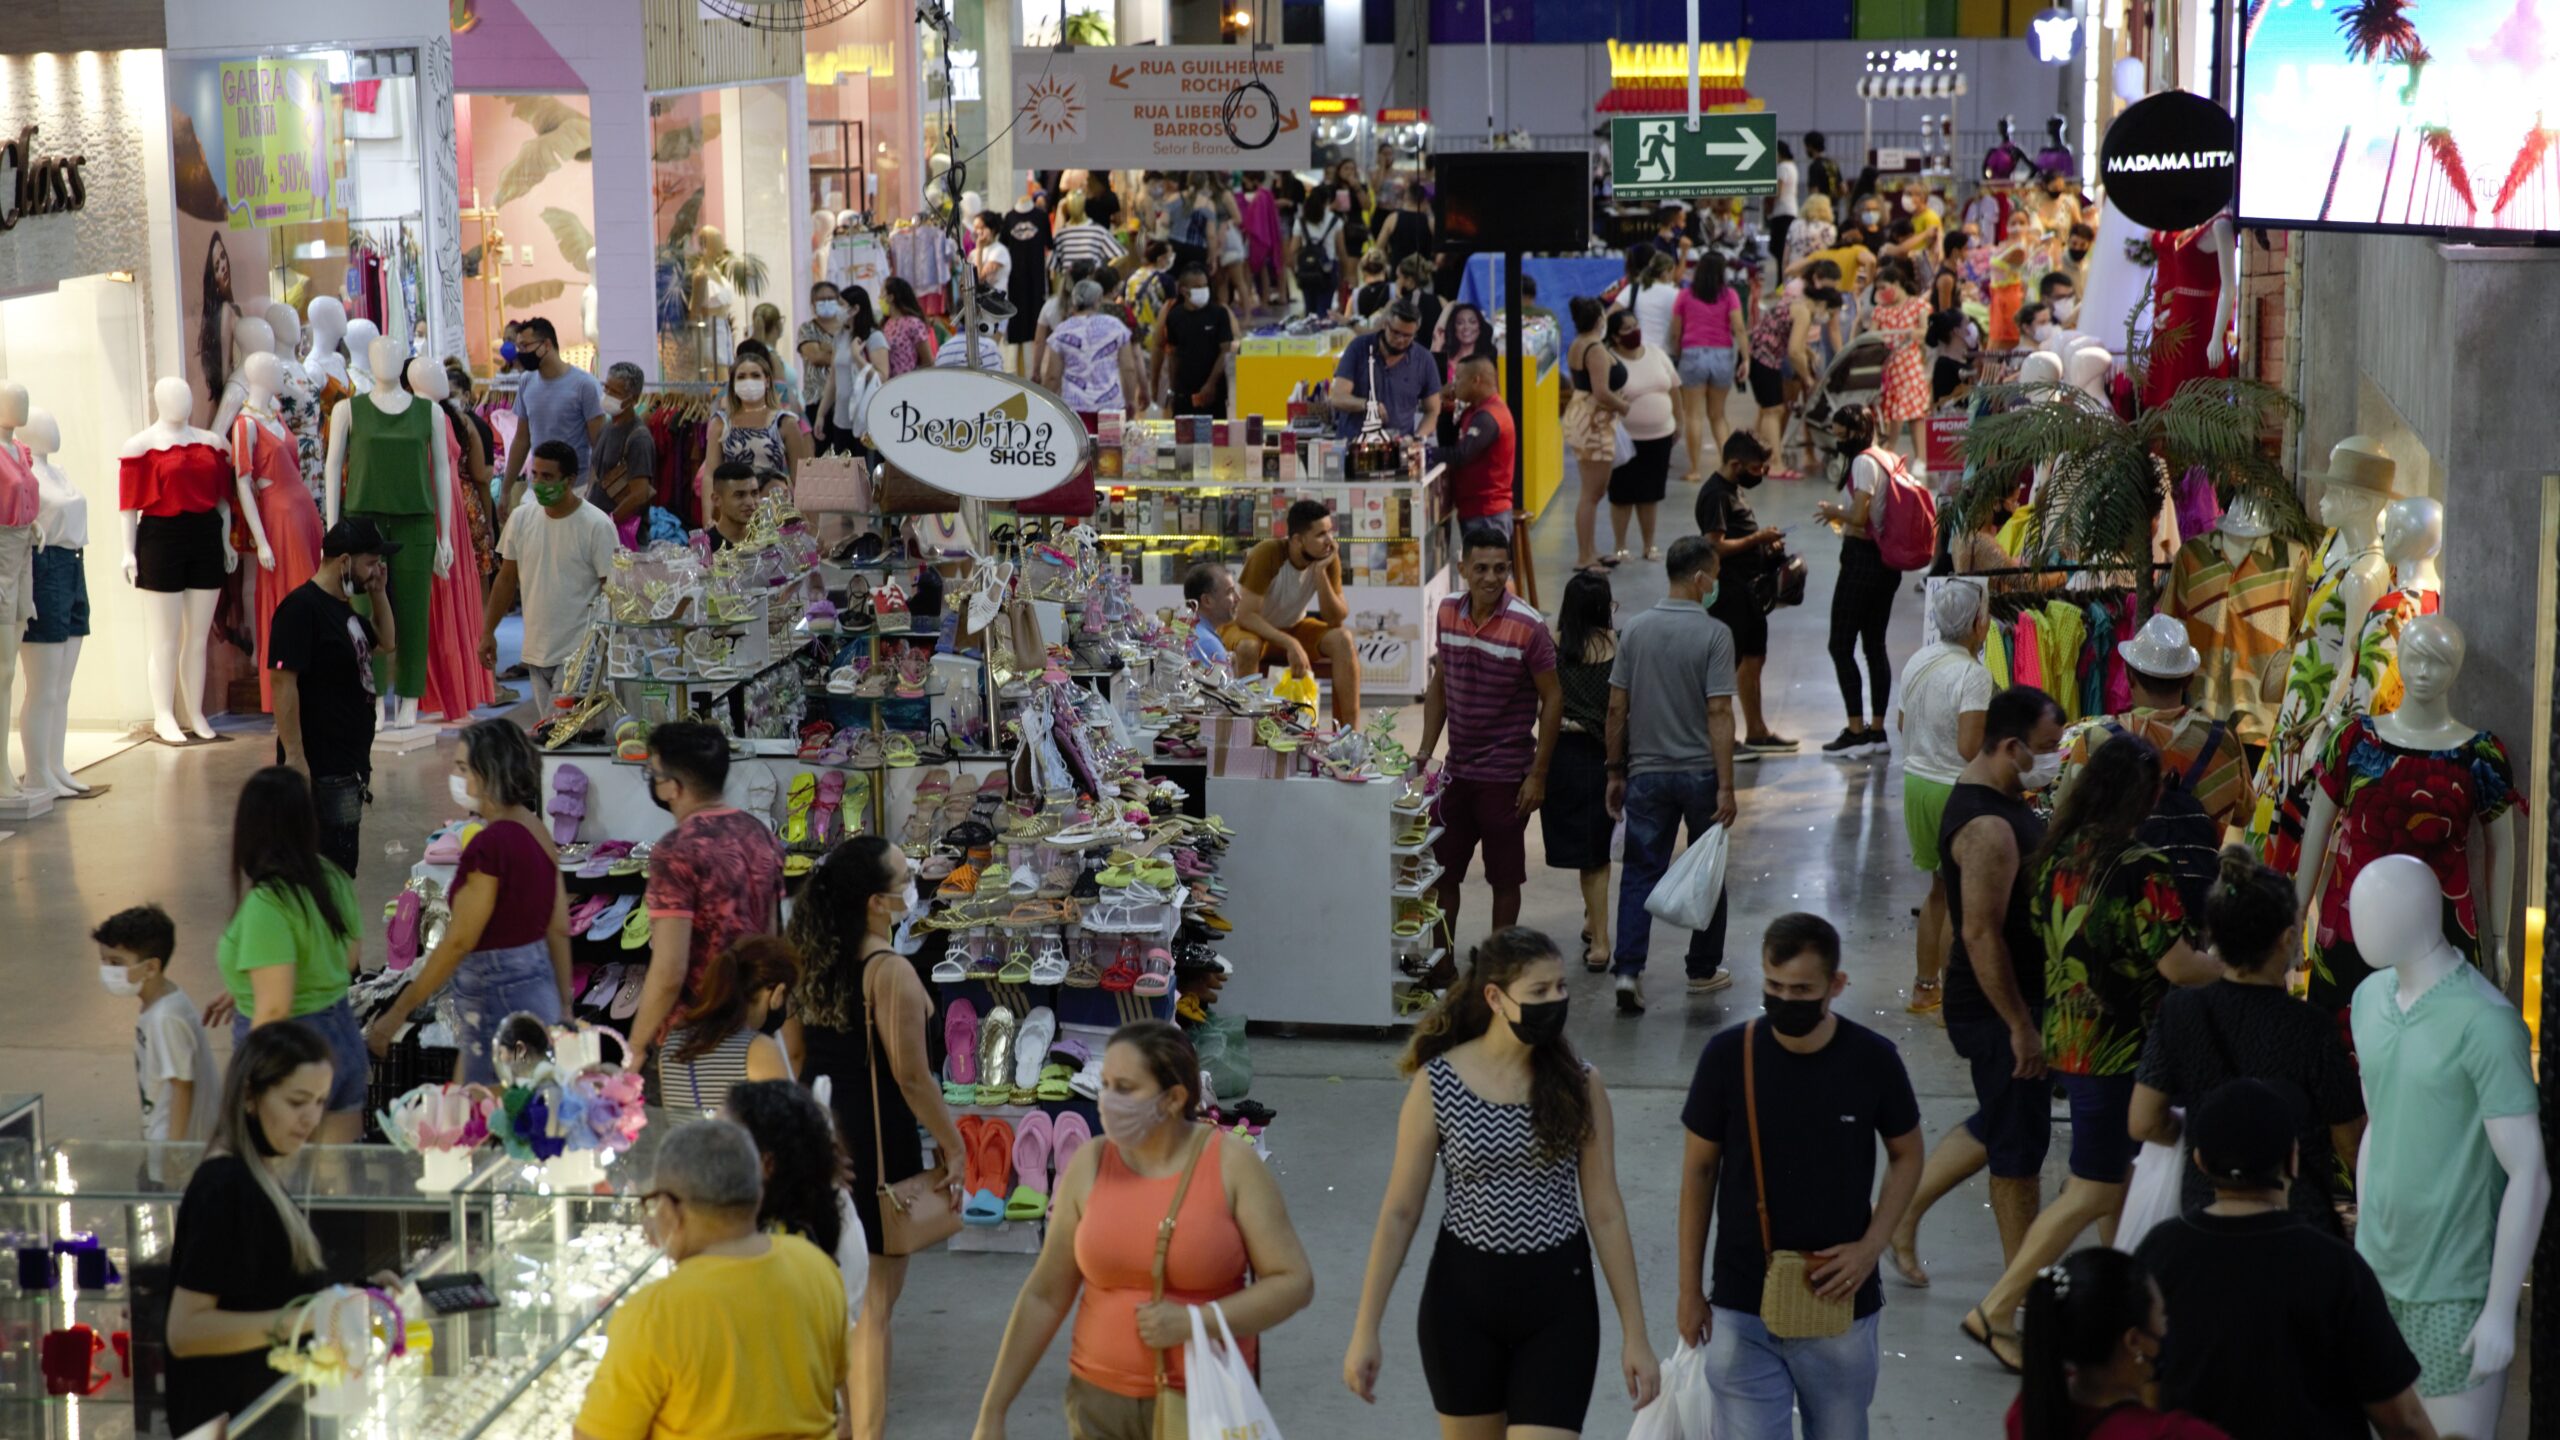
<point x="1642" y="479"/>
<point x="179" y="552"/>
<point x="62" y="597"/>
<point x="1742" y="615"/>
<point x="1768" y="385"/>
<point x="2014" y="1120"/>
<point x="1511" y="1335"/>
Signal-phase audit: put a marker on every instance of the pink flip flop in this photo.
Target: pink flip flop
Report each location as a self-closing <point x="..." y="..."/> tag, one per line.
<point x="1032" y="1138"/>
<point x="568" y="802"/>
<point x="822" y="819"/>
<point x="1067" y="1133"/>
<point x="960" y="1042"/>
<point x="403" y="940"/>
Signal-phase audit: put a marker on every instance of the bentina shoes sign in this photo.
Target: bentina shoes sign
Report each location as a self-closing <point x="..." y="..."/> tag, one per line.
<point x="976" y="433"/>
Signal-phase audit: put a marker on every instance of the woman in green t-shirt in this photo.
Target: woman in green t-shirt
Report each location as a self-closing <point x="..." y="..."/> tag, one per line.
<point x="292" y="943"/>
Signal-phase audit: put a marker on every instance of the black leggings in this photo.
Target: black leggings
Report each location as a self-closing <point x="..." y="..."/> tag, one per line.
<point x="1861" y="604"/>
<point x="1511" y="1335"/>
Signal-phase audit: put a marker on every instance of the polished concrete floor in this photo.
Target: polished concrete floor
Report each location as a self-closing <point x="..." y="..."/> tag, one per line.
<point x="1814" y="834"/>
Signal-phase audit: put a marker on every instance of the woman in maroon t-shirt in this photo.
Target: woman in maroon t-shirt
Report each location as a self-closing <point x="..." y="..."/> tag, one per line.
<point x="506" y="949"/>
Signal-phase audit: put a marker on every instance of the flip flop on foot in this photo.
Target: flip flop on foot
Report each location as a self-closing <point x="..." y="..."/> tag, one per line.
<point x="1977" y="1327"/>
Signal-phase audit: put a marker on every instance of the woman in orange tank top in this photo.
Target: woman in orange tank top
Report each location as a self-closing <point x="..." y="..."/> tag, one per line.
<point x="1231" y="1243"/>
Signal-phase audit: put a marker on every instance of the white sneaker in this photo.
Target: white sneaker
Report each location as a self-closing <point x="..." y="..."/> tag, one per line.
<point x="1630" y="995"/>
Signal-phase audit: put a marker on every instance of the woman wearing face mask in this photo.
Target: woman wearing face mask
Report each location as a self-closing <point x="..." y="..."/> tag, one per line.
<point x="243" y="1252"/>
<point x="752" y="427"/>
<point x="294" y="941"/>
<point x="729" y="1032"/>
<point x="837" y="349"/>
<point x="1706" y="336"/>
<point x="1231" y="1245"/>
<point x="908" y="338"/>
<point x="863" y="1012"/>
<point x="1510" y="1323"/>
<point x="2097" y="1325"/>
<point x="506" y="947"/>
<point x="1590" y="423"/>
<point x="2115" y="941"/>
<point x="1652" y="421"/>
<point x="1862" y="598"/>
<point x="1902" y="317"/>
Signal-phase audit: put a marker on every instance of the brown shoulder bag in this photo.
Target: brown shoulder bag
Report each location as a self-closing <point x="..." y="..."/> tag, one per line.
<point x="915" y="1213"/>
<point x="1789" y="1307"/>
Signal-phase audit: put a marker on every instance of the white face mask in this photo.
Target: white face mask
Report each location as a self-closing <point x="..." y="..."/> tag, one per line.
<point x="460" y="789"/>
<point x="2041" y="774"/>
<point x="616" y="404"/>
<point x="830" y="309"/>
<point x="118" y="980"/>
<point x="2044" y="331"/>
<point x="2066" y="309"/>
<point x="1198" y="295"/>
<point x="751" y="391"/>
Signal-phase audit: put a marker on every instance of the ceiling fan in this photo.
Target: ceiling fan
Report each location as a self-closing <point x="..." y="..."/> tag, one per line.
<point x="782" y="14"/>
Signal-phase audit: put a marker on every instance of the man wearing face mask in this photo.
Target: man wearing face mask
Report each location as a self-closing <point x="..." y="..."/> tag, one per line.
<point x="1726" y="519"/>
<point x="1192" y="345"/>
<point x="556" y="554"/>
<point x="1406" y="379"/>
<point x="1994" y="984"/>
<point x="322" y="652"/>
<point x="715" y="877"/>
<point x="557" y="401"/>
<point x="2061" y="301"/>
<point x="1797" y="1099"/>
<point x="626" y="481"/>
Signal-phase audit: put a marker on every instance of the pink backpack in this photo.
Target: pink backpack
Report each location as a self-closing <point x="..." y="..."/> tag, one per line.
<point x="1903" y="519"/>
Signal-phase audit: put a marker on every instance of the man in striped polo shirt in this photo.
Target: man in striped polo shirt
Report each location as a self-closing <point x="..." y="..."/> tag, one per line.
<point x="1493" y="687"/>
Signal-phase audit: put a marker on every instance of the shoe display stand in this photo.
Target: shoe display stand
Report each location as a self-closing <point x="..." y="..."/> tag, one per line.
<point x="1395" y="552"/>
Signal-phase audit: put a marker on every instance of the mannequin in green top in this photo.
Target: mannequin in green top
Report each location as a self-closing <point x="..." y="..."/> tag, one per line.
<point x="390" y="460"/>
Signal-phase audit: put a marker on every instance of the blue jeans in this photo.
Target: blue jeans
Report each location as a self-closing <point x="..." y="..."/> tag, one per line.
<point x="350" y="1063"/>
<point x="491" y="985"/>
<point x="338" y="802"/>
<point x="1657" y="806"/>
<point x="1761" y="1382"/>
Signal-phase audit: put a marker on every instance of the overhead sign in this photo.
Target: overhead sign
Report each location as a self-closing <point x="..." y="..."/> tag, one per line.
<point x="275" y="133"/>
<point x="1404" y="115"/>
<point x="2168" y="161"/>
<point x="1163" y="107"/>
<point x="2054" y="36"/>
<point x="977" y="433"/>
<point x="1653" y="157"/>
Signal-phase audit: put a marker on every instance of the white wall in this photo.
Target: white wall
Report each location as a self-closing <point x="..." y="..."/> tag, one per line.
<point x="244" y="25"/>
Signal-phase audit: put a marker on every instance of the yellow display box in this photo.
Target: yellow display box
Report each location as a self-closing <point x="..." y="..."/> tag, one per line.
<point x="1264" y="380"/>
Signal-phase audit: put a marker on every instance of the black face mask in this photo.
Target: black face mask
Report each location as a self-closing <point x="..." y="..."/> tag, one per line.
<point x="666" y="805"/>
<point x="2078" y="255"/>
<point x="527" y="360"/>
<point x="1539" y="1023"/>
<point x="1750" y="479"/>
<point x="1793" y="1018"/>
<point x="773" y="1020"/>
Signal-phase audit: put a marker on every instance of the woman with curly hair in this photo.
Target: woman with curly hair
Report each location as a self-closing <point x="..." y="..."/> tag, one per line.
<point x="807" y="1177"/>
<point x="863" y="1011"/>
<point x="1510" y="1325"/>
<point x="2115" y="938"/>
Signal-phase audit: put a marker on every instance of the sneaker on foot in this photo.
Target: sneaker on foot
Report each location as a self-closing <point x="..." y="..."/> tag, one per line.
<point x="1710" y="984"/>
<point x="1771" y="744"/>
<point x="1630" y="995"/>
<point x="1744" y="756"/>
<point x="1845" y="744"/>
<point x="1877" y="742"/>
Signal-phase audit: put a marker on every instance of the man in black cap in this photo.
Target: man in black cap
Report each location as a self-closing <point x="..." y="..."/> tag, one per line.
<point x="323" y="652"/>
<point x="2276" y="1331"/>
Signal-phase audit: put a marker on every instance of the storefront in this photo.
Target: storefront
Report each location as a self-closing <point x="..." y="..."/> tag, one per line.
<point x="866" y="126"/>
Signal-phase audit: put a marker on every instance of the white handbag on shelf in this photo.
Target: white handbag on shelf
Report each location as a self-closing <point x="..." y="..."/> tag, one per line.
<point x="1687" y="893"/>
<point x="1218" y="1385"/>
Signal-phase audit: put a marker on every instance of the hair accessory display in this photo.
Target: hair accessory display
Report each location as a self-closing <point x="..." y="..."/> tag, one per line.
<point x="343" y="1323"/>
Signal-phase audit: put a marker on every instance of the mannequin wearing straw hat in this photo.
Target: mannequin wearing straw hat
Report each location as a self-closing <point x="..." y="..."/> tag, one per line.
<point x="2324" y="685"/>
<point x="2240" y="592"/>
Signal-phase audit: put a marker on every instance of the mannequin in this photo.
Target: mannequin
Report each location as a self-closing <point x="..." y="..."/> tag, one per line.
<point x="390" y="459"/>
<point x="2005" y="163"/>
<point x="327" y="362"/>
<point x="2056" y="158"/>
<point x="587" y="301"/>
<point x="822" y="239"/>
<point x="250" y="335"/>
<point x="282" y="517"/>
<point x="360" y="372"/>
<point x="2195" y="286"/>
<point x="2414" y="782"/>
<point x="297" y="400"/>
<point x="2239" y="590"/>
<point x="2351" y="576"/>
<point x="62" y="592"/>
<point x="713" y="296"/>
<point x="2412" y="538"/>
<point x="2451" y="1176"/>
<point x="174" y="487"/>
<point x="19" y="503"/>
<point x="456" y="682"/>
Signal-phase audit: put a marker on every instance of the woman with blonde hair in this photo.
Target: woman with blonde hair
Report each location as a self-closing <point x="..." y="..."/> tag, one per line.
<point x="1812" y="231"/>
<point x="1590" y="421"/>
<point x="1510" y="1322"/>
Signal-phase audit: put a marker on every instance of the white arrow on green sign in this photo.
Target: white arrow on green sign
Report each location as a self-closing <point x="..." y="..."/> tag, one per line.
<point x="1659" y="156"/>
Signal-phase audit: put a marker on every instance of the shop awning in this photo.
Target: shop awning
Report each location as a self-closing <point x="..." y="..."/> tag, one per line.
<point x="1672" y="96"/>
<point x="1919" y="86"/>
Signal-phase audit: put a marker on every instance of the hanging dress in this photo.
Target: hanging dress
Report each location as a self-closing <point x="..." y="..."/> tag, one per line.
<point x="2285" y="771"/>
<point x="265" y="451"/>
<point x="457" y="684"/>
<point x="1906" y="369"/>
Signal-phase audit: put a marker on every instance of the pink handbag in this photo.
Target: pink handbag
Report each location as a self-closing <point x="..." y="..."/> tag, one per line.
<point x="832" y="483"/>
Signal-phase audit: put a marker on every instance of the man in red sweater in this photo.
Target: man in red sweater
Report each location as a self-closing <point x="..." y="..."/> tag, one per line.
<point x="1480" y="471"/>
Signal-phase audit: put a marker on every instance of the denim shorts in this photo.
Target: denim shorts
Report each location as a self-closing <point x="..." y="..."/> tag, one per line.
<point x="62" y="597"/>
<point x="350" y="1063"/>
<point x="2015" y="1120"/>
<point x="1700" y="365"/>
<point x="2102" y="1147"/>
<point x="491" y="985"/>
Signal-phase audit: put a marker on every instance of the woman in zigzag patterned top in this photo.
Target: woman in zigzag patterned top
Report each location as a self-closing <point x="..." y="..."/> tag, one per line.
<point x="1510" y="1327"/>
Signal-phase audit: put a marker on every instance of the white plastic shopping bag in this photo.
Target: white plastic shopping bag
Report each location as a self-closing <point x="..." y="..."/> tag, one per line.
<point x="1685" y="1409"/>
<point x="1218" y="1385"/>
<point x="2159" y="1173"/>
<point x="1687" y="893"/>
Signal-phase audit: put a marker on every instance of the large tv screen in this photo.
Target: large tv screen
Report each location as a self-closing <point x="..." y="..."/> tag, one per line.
<point x="1531" y="201"/>
<point x="2395" y="115"/>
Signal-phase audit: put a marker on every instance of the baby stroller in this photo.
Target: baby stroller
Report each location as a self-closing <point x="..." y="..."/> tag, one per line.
<point x="1854" y="377"/>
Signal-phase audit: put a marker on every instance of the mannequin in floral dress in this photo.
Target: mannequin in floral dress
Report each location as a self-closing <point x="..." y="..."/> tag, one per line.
<point x="1902" y="317"/>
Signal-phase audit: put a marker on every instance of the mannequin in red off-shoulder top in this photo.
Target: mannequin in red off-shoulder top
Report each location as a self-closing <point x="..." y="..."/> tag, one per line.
<point x="174" y="487"/>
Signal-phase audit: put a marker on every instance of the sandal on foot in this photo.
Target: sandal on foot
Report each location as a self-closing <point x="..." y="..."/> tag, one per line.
<point x="1989" y="1338"/>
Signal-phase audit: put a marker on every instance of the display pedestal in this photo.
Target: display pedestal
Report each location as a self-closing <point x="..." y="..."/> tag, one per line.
<point x="25" y="805"/>
<point x="402" y="740"/>
<point x="1309" y="872"/>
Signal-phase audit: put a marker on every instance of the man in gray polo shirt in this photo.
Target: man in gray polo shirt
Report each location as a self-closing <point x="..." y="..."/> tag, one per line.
<point x="1671" y="756"/>
<point x="555" y="401"/>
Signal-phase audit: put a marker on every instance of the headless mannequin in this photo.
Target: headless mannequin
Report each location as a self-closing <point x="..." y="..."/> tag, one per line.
<point x="2431" y="651"/>
<point x="175" y="625"/>
<point x="14" y="411"/>
<point x="327" y="361"/>
<point x="822" y="238"/>
<point x="260" y="377"/>
<point x="586" y="303"/>
<point x="2087" y="365"/>
<point x="2412" y="537"/>
<point x="46" y="716"/>
<point x="384" y="356"/>
<point x="361" y="373"/>
<point x="2395" y="904"/>
<point x="453" y="645"/>
<point x="250" y="335"/>
<point x="2356" y="514"/>
<point x="2219" y="241"/>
